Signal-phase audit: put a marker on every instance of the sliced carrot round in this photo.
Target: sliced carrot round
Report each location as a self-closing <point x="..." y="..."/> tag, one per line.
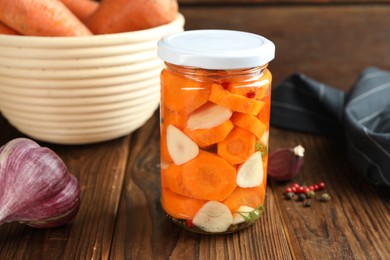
<point x="207" y="137"/>
<point x="182" y="94"/>
<point x="264" y="113"/>
<point x="171" y="178"/>
<point x="179" y="206"/>
<point x="251" y="197"/>
<point x="209" y="177"/>
<point x="238" y="146"/>
<point x="250" y="88"/>
<point x="164" y="154"/>
<point x="250" y="123"/>
<point x="173" y="117"/>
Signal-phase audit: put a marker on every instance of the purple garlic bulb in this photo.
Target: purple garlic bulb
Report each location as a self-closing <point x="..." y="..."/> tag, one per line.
<point x="35" y="186"/>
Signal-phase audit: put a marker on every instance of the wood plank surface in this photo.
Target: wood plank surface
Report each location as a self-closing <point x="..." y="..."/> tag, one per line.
<point x="355" y="224"/>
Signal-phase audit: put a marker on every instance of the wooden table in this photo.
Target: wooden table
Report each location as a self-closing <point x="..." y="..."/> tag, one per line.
<point x="120" y="215"/>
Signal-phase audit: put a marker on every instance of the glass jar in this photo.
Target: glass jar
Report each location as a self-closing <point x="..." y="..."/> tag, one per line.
<point x="215" y="111"/>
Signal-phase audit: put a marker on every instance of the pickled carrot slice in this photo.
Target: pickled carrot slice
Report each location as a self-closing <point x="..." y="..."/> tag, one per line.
<point x="239" y="103"/>
<point x="178" y="206"/>
<point x="251" y="197"/>
<point x="250" y="89"/>
<point x="173" y="117"/>
<point x="164" y="154"/>
<point x="209" y="177"/>
<point x="207" y="137"/>
<point x="250" y="123"/>
<point x="238" y="146"/>
<point x="171" y="178"/>
<point x="182" y="94"/>
<point x="254" y="90"/>
<point x="264" y="114"/>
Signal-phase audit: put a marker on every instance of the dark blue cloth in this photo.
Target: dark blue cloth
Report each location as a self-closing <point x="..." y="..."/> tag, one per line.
<point x="362" y="116"/>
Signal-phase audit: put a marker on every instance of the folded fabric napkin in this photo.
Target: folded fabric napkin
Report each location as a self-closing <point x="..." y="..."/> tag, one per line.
<point x="362" y="116"/>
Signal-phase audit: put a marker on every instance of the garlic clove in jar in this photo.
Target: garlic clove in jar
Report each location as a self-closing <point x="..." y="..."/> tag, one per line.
<point x="35" y="186"/>
<point x="285" y="163"/>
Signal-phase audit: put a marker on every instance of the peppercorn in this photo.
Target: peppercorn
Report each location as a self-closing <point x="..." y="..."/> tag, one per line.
<point x="301" y="197"/>
<point x="305" y="190"/>
<point x="289" y="195"/>
<point x="310" y="194"/>
<point x="325" y="197"/>
<point x="189" y="223"/>
<point x="296" y="185"/>
<point x="307" y="203"/>
<point x="321" y="185"/>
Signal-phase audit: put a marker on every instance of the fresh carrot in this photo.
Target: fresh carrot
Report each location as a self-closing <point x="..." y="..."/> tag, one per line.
<point x="239" y="103"/>
<point x="115" y="16"/>
<point x="250" y="123"/>
<point x="81" y="8"/>
<point x="251" y="197"/>
<point x="183" y="95"/>
<point x="4" y="29"/>
<point x="207" y="137"/>
<point x="238" y="146"/>
<point x="209" y="177"/>
<point x="41" y="18"/>
<point x="179" y="206"/>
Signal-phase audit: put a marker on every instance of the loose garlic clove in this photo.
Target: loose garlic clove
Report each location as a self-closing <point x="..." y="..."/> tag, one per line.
<point x="36" y="187"/>
<point x="285" y="163"/>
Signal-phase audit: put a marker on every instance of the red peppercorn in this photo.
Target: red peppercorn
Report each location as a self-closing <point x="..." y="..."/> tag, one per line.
<point x="316" y="187"/>
<point x="300" y="189"/>
<point x="306" y="190"/>
<point x="189" y="223"/>
<point x="296" y="185"/>
<point x="293" y="189"/>
<point x="321" y="185"/>
<point x="251" y="94"/>
<point x="311" y="187"/>
<point x="288" y="189"/>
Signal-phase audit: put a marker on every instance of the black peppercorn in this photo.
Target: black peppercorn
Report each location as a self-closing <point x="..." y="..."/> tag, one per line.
<point x="301" y="197"/>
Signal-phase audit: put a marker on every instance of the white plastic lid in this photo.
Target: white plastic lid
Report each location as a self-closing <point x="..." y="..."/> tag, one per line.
<point x="216" y="49"/>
